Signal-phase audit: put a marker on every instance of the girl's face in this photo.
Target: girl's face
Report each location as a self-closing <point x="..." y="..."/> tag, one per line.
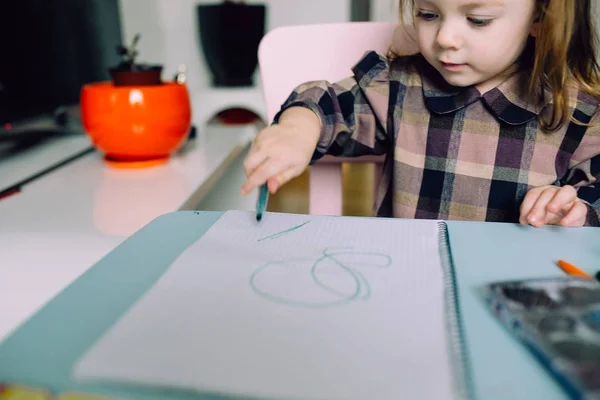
<point x="473" y="42"/>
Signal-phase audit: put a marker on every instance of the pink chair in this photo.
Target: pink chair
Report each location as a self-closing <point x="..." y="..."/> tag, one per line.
<point x="291" y="55"/>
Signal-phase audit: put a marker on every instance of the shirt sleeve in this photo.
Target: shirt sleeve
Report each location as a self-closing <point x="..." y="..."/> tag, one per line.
<point x="353" y="112"/>
<point x="584" y="172"/>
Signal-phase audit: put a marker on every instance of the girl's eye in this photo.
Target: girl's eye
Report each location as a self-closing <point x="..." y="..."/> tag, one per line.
<point x="479" y="22"/>
<point x="426" y="15"/>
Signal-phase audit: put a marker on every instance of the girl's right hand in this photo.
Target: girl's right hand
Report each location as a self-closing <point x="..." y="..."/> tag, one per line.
<point x="282" y="152"/>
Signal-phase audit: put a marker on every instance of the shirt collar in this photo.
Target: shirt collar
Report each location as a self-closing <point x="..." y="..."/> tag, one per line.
<point x="508" y="101"/>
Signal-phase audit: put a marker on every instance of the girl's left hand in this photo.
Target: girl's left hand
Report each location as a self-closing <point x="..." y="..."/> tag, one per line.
<point x="553" y="205"/>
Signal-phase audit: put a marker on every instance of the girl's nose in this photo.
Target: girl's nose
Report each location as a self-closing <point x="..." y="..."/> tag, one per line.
<point x="448" y="38"/>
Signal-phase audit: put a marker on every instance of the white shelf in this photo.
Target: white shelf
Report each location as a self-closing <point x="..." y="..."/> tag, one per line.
<point x="20" y="165"/>
<point x="88" y="196"/>
<point x="207" y="102"/>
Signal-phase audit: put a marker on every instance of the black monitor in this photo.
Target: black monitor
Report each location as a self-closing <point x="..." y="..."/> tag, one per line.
<point x="49" y="49"/>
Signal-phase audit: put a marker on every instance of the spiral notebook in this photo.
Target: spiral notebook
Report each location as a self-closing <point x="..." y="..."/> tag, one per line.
<point x="296" y="307"/>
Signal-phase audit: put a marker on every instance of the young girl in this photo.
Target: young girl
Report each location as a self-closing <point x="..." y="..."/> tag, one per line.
<point x="493" y="120"/>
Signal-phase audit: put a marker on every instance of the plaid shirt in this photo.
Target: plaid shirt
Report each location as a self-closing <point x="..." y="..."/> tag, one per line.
<point x="452" y="153"/>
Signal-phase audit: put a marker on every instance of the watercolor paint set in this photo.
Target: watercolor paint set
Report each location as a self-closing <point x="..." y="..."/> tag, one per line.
<point x="558" y="320"/>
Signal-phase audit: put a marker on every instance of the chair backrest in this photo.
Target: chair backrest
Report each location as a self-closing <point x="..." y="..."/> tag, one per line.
<point x="291" y="55"/>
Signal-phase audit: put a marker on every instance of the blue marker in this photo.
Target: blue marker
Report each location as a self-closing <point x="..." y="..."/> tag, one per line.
<point x="261" y="202"/>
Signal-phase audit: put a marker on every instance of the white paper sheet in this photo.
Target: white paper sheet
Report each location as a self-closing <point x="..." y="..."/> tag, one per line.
<point x="296" y="306"/>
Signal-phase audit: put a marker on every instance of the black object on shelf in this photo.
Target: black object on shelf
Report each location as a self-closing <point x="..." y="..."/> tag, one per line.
<point x="230" y="34"/>
<point x="62" y="122"/>
<point x="50" y="49"/>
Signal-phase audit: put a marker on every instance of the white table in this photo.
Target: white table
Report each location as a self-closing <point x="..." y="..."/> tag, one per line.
<point x="64" y="222"/>
<point x="17" y="166"/>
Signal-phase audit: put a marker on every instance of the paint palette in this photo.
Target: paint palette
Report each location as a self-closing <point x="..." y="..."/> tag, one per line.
<point x="558" y="320"/>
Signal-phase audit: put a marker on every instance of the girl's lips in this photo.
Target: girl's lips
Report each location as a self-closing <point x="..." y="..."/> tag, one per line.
<point x="452" y="66"/>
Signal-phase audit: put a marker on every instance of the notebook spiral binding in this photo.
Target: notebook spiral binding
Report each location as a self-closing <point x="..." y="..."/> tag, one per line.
<point x="458" y="348"/>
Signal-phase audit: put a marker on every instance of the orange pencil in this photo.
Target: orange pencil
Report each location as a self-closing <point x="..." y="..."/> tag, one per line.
<point x="572" y="270"/>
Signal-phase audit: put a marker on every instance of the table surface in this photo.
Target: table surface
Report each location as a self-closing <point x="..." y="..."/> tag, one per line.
<point x="63" y="222"/>
<point x="46" y="347"/>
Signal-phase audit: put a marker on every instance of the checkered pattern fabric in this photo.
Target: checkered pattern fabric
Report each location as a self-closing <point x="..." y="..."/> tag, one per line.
<point x="451" y="152"/>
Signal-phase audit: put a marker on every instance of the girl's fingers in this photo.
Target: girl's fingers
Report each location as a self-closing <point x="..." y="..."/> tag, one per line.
<point x="537" y="215"/>
<point x="575" y="215"/>
<point x="282" y="178"/>
<point x="269" y="168"/>
<point x="528" y="203"/>
<point x="565" y="195"/>
<point x="253" y="160"/>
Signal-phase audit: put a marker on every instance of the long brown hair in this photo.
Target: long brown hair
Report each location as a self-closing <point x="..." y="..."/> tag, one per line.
<point x="563" y="53"/>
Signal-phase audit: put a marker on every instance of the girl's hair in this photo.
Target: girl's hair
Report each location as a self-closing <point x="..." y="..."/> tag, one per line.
<point x="563" y="52"/>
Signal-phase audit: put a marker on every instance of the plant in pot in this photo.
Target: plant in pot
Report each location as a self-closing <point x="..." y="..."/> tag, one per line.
<point x="130" y="73"/>
<point x="230" y="33"/>
<point x="136" y="119"/>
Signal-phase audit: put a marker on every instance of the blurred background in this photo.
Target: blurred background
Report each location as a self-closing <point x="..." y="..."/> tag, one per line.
<point x="51" y="48"/>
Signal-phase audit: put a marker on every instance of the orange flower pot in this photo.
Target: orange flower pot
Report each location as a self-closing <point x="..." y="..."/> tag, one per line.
<point x="143" y="124"/>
